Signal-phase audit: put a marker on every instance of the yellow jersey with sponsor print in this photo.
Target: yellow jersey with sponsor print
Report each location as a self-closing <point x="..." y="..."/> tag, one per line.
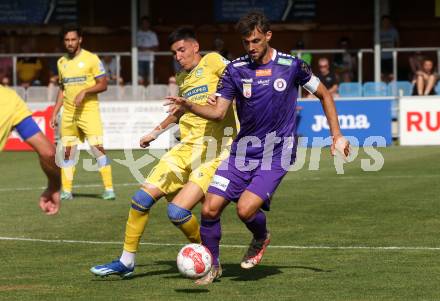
<point x="13" y="111"/>
<point x="196" y="85"/>
<point x="76" y="74"/>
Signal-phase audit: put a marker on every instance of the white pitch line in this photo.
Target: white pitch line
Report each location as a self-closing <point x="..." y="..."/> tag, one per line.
<point x="68" y="241"/>
<point x="339" y="177"/>
<point x="74" y="186"/>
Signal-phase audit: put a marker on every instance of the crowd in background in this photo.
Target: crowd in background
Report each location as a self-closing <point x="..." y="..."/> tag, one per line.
<point x="332" y="70"/>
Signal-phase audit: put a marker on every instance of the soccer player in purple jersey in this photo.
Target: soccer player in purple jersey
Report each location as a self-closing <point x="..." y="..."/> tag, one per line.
<point x="264" y="84"/>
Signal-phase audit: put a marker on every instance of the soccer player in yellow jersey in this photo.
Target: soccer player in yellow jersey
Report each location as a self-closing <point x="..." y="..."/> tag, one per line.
<point x="15" y="114"/>
<point x="185" y="172"/>
<point x="82" y="77"/>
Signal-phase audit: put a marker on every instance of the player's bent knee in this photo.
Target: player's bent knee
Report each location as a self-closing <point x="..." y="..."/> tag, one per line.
<point x="178" y="215"/>
<point x="244" y="213"/>
<point x="155" y="192"/>
<point x="210" y="213"/>
<point x="142" y="201"/>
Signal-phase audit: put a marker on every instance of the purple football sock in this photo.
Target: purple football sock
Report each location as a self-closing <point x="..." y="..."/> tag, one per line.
<point x="257" y="225"/>
<point x="211" y="233"/>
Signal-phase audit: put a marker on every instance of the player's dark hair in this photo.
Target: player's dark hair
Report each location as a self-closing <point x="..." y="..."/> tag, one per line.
<point x="181" y="33"/>
<point x="252" y="20"/>
<point x="71" y="27"/>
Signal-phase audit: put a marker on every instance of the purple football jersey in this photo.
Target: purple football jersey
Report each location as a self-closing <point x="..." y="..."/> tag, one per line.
<point x="266" y="97"/>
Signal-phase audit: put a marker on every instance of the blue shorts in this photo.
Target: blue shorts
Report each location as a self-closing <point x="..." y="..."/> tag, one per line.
<point x="230" y="182"/>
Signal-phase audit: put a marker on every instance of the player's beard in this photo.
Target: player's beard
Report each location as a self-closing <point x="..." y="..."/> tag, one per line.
<point x="72" y="50"/>
<point x="260" y="57"/>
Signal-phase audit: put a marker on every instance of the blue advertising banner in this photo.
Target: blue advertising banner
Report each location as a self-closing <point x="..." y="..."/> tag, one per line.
<point x="364" y="121"/>
<point x="38" y="11"/>
<point x="279" y="10"/>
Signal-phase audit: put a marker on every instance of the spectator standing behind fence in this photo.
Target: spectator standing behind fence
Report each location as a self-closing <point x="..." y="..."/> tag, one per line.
<point x="109" y="64"/>
<point x="426" y="79"/>
<point x="28" y="69"/>
<point x="389" y="38"/>
<point x="327" y="77"/>
<point x="305" y="56"/>
<point x="147" y="43"/>
<point x="344" y="63"/>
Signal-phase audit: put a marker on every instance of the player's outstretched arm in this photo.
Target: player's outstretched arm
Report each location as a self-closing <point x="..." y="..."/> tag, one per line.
<point x="328" y="104"/>
<point x="166" y="124"/>
<point x="215" y="111"/>
<point x="50" y="198"/>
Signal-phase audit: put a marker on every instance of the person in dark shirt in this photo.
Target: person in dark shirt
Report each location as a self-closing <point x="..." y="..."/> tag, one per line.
<point x="327" y="77"/>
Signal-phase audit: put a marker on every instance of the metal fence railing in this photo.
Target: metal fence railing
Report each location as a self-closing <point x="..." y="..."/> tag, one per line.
<point x="360" y="56"/>
<point x="118" y="55"/>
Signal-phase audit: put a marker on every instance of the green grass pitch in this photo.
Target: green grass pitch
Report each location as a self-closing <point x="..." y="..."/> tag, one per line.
<point x="318" y="221"/>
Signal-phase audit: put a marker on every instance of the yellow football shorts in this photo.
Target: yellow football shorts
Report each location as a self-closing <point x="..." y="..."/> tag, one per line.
<point x="184" y="163"/>
<point x="75" y="126"/>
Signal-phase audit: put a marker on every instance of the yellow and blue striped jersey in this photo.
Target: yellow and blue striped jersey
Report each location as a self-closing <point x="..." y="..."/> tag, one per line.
<point x="196" y="85"/>
<point x="77" y="74"/>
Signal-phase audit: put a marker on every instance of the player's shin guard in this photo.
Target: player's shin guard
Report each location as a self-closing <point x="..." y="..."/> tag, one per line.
<point x="211" y="233"/>
<point x="257" y="225"/>
<point x="67" y="172"/>
<point x="106" y="172"/>
<point x="185" y="221"/>
<point x="141" y="203"/>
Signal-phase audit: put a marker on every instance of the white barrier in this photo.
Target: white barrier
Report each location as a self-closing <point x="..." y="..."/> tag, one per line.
<point x="125" y="122"/>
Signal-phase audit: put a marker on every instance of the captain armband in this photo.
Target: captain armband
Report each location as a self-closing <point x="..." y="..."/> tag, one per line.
<point x="312" y="84"/>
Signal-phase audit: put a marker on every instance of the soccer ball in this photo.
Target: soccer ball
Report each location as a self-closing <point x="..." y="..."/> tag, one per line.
<point x="194" y="261"/>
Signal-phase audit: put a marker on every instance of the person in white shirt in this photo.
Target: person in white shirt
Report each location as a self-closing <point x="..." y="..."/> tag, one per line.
<point x="147" y="42"/>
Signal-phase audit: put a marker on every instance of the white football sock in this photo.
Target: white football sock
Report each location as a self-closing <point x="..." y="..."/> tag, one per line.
<point x="128" y="259"/>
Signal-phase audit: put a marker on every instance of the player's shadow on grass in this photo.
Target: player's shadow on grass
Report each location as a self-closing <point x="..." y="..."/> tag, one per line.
<point x="170" y="268"/>
<point x="313" y="269"/>
<point x="236" y="273"/>
<point x="233" y="271"/>
<point x="88" y="195"/>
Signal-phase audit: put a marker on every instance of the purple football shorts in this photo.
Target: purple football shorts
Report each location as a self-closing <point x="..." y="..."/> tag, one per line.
<point x="230" y="182"/>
